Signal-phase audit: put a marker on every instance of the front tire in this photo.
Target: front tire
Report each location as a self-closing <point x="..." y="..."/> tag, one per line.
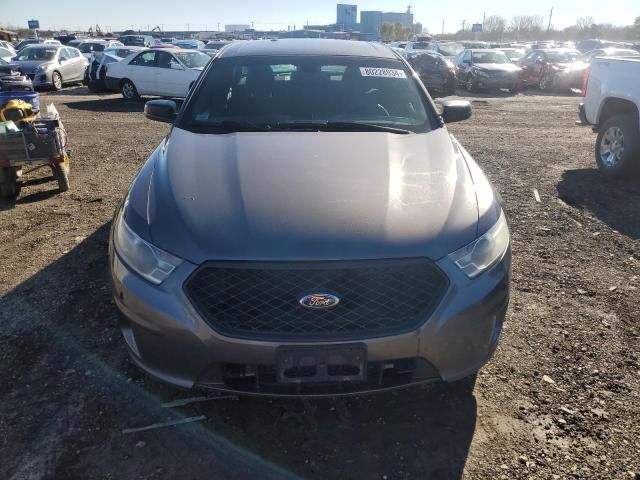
<point x="129" y="90"/>
<point x="56" y="81"/>
<point x="618" y="146"/>
<point x="9" y="185"/>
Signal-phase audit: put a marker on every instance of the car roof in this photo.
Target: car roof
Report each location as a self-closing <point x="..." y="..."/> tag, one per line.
<point x="474" y="50"/>
<point x="45" y="46"/>
<point x="308" y="46"/>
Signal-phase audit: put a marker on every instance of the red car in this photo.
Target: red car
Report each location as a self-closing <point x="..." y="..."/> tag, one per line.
<point x="553" y="69"/>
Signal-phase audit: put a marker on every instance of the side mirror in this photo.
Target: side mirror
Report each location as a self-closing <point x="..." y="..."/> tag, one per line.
<point x="63" y="59"/>
<point x="161" y="110"/>
<point x="467" y="61"/>
<point x="455" y="110"/>
<point x="176" y="66"/>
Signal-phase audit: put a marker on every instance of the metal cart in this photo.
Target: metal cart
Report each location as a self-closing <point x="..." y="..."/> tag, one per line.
<point x="39" y="144"/>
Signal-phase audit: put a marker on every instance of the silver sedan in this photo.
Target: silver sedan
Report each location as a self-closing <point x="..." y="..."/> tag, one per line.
<point x="51" y="66"/>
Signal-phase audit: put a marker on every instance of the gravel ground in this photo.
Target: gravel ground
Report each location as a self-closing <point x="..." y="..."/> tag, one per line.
<point x="559" y="399"/>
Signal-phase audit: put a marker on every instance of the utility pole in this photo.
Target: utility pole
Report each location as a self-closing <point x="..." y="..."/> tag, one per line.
<point x="550" y="17"/>
<point x="443" y="27"/>
<point x="463" y="24"/>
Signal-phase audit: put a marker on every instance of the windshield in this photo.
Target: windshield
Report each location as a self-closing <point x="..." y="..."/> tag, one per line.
<point x="514" y="54"/>
<point x="490" y="57"/>
<point x="186" y="44"/>
<point x="420" y="45"/>
<point x="36" y="53"/>
<point x="91" y="47"/>
<point x="272" y="93"/>
<point x="215" y="45"/>
<point x="564" y="57"/>
<point x="450" y="49"/>
<point x="132" y="41"/>
<point x="193" y="59"/>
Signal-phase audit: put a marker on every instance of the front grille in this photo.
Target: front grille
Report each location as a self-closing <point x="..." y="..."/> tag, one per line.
<point x="261" y="300"/>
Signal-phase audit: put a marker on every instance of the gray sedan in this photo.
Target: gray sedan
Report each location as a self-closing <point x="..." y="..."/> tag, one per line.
<point x="51" y="66"/>
<point x="310" y="227"/>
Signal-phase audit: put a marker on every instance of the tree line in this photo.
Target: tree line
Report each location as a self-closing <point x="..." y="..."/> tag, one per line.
<point x="534" y="27"/>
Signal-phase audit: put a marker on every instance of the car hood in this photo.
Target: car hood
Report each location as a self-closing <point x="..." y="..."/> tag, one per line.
<point x="28" y="66"/>
<point x="498" y="67"/>
<point x="310" y="196"/>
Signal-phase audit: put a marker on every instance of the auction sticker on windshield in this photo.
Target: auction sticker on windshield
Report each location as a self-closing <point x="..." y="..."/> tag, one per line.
<point x="382" y="72"/>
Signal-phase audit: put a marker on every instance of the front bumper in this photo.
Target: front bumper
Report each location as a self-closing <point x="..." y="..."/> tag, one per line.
<point x="571" y="79"/>
<point x="112" y="83"/>
<point x="43" y="79"/>
<point x="168" y="338"/>
<point x="498" y="83"/>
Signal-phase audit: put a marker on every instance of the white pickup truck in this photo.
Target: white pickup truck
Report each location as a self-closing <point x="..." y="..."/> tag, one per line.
<point x="611" y="91"/>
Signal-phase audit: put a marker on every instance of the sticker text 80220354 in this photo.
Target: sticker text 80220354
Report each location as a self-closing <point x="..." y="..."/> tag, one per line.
<point x="382" y="72"/>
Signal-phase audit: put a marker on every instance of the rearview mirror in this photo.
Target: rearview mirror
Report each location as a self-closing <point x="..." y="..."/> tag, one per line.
<point x="455" y="110"/>
<point x="161" y="110"/>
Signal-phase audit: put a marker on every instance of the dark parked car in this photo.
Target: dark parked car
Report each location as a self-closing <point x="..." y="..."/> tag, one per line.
<point x="553" y="69"/>
<point x="437" y="73"/>
<point x="446" y="49"/>
<point x="309" y="226"/>
<point x="137" y="40"/>
<point x="486" y="69"/>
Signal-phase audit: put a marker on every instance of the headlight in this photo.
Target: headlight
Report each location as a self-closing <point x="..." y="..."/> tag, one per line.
<point x="44" y="67"/>
<point x="484" y="252"/>
<point x="151" y="263"/>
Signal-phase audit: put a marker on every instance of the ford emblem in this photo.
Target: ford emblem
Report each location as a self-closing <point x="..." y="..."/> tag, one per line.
<point x="319" y="300"/>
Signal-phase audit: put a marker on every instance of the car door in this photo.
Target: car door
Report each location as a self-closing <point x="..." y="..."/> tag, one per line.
<point x="527" y="66"/>
<point x="538" y="67"/>
<point x="141" y="72"/>
<point x="464" y="66"/>
<point x="65" y="65"/>
<point x="170" y="76"/>
<point x="78" y="62"/>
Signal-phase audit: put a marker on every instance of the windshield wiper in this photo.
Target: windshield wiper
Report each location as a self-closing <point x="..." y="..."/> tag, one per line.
<point x="230" y="126"/>
<point x="332" y="126"/>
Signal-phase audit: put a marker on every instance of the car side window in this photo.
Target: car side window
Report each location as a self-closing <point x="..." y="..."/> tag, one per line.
<point x="165" y="60"/>
<point x="145" y="59"/>
<point x="467" y="56"/>
<point x="73" y="53"/>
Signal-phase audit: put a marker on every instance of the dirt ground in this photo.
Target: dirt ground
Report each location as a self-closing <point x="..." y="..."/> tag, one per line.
<point x="559" y="400"/>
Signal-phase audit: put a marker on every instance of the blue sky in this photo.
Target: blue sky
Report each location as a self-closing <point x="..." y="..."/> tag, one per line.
<point x="201" y="14"/>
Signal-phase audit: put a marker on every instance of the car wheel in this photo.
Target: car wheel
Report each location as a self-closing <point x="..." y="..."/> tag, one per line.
<point x="9" y="185"/>
<point x="470" y="84"/>
<point x="56" y="81"/>
<point x="129" y="91"/>
<point x="618" y="146"/>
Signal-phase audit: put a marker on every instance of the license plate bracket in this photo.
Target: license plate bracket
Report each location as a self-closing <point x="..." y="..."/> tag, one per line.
<point x="320" y="364"/>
